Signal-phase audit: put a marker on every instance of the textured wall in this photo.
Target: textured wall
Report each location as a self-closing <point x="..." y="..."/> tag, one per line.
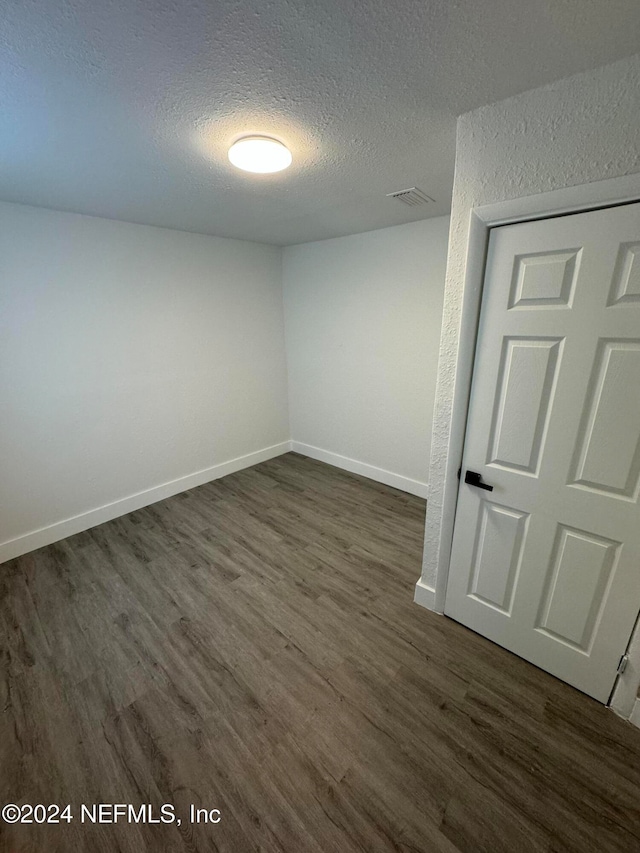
<point x="582" y="129"/>
<point x="363" y="318"/>
<point x="130" y="356"/>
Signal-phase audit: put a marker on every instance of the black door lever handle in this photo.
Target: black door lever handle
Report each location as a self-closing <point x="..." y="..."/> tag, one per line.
<point x="472" y="478"/>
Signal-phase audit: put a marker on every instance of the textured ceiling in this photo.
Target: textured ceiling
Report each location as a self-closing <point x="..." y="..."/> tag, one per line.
<point x="126" y="108"/>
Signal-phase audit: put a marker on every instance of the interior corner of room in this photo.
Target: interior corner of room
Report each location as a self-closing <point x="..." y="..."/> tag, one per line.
<point x="141" y="362"/>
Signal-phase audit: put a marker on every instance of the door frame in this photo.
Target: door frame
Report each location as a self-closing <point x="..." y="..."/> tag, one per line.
<point x="568" y="200"/>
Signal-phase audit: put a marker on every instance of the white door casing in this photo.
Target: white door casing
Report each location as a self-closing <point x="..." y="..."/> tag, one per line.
<point x="548" y="564"/>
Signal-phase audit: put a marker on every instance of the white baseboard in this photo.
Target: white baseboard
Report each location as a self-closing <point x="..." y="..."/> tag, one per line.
<point x="83" y="521"/>
<point x="68" y="527"/>
<point x="425" y="595"/>
<point x="405" y="484"/>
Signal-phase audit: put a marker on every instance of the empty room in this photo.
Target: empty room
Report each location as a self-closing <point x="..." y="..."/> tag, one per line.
<point x="320" y="426"/>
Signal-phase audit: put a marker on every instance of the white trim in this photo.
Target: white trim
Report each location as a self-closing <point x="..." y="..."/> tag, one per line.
<point x="635" y="714"/>
<point x="83" y="521"/>
<point x="425" y="595"/>
<point x="567" y="200"/>
<point x="397" y="481"/>
<point x="477" y="242"/>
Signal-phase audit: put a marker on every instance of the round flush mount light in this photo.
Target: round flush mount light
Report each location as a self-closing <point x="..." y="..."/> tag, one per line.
<point x="260" y="154"/>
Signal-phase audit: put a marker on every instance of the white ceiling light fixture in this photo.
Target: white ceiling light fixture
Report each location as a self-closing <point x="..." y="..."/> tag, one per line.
<point x="260" y="154"/>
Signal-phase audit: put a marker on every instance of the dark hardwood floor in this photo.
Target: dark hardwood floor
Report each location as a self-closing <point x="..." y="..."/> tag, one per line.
<point x="252" y="646"/>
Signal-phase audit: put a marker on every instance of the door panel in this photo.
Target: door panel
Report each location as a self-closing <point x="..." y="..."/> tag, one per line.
<point x="497" y="555"/>
<point x="626" y="281"/>
<point x="581" y="561"/>
<point x="526" y="381"/>
<point x="608" y="458"/>
<point x="548" y="563"/>
<point x="546" y="280"/>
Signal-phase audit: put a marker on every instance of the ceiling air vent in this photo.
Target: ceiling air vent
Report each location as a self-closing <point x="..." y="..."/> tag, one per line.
<point x="413" y="197"/>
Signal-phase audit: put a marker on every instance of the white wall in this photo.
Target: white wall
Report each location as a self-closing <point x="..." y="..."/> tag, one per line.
<point x="130" y="357"/>
<point x="581" y="129"/>
<point x="577" y="131"/>
<point x="362" y="316"/>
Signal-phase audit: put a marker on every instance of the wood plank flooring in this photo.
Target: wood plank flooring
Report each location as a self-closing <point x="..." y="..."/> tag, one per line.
<point x="252" y="646"/>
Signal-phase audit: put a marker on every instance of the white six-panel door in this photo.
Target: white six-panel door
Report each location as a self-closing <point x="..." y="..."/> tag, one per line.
<point x="548" y="563"/>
